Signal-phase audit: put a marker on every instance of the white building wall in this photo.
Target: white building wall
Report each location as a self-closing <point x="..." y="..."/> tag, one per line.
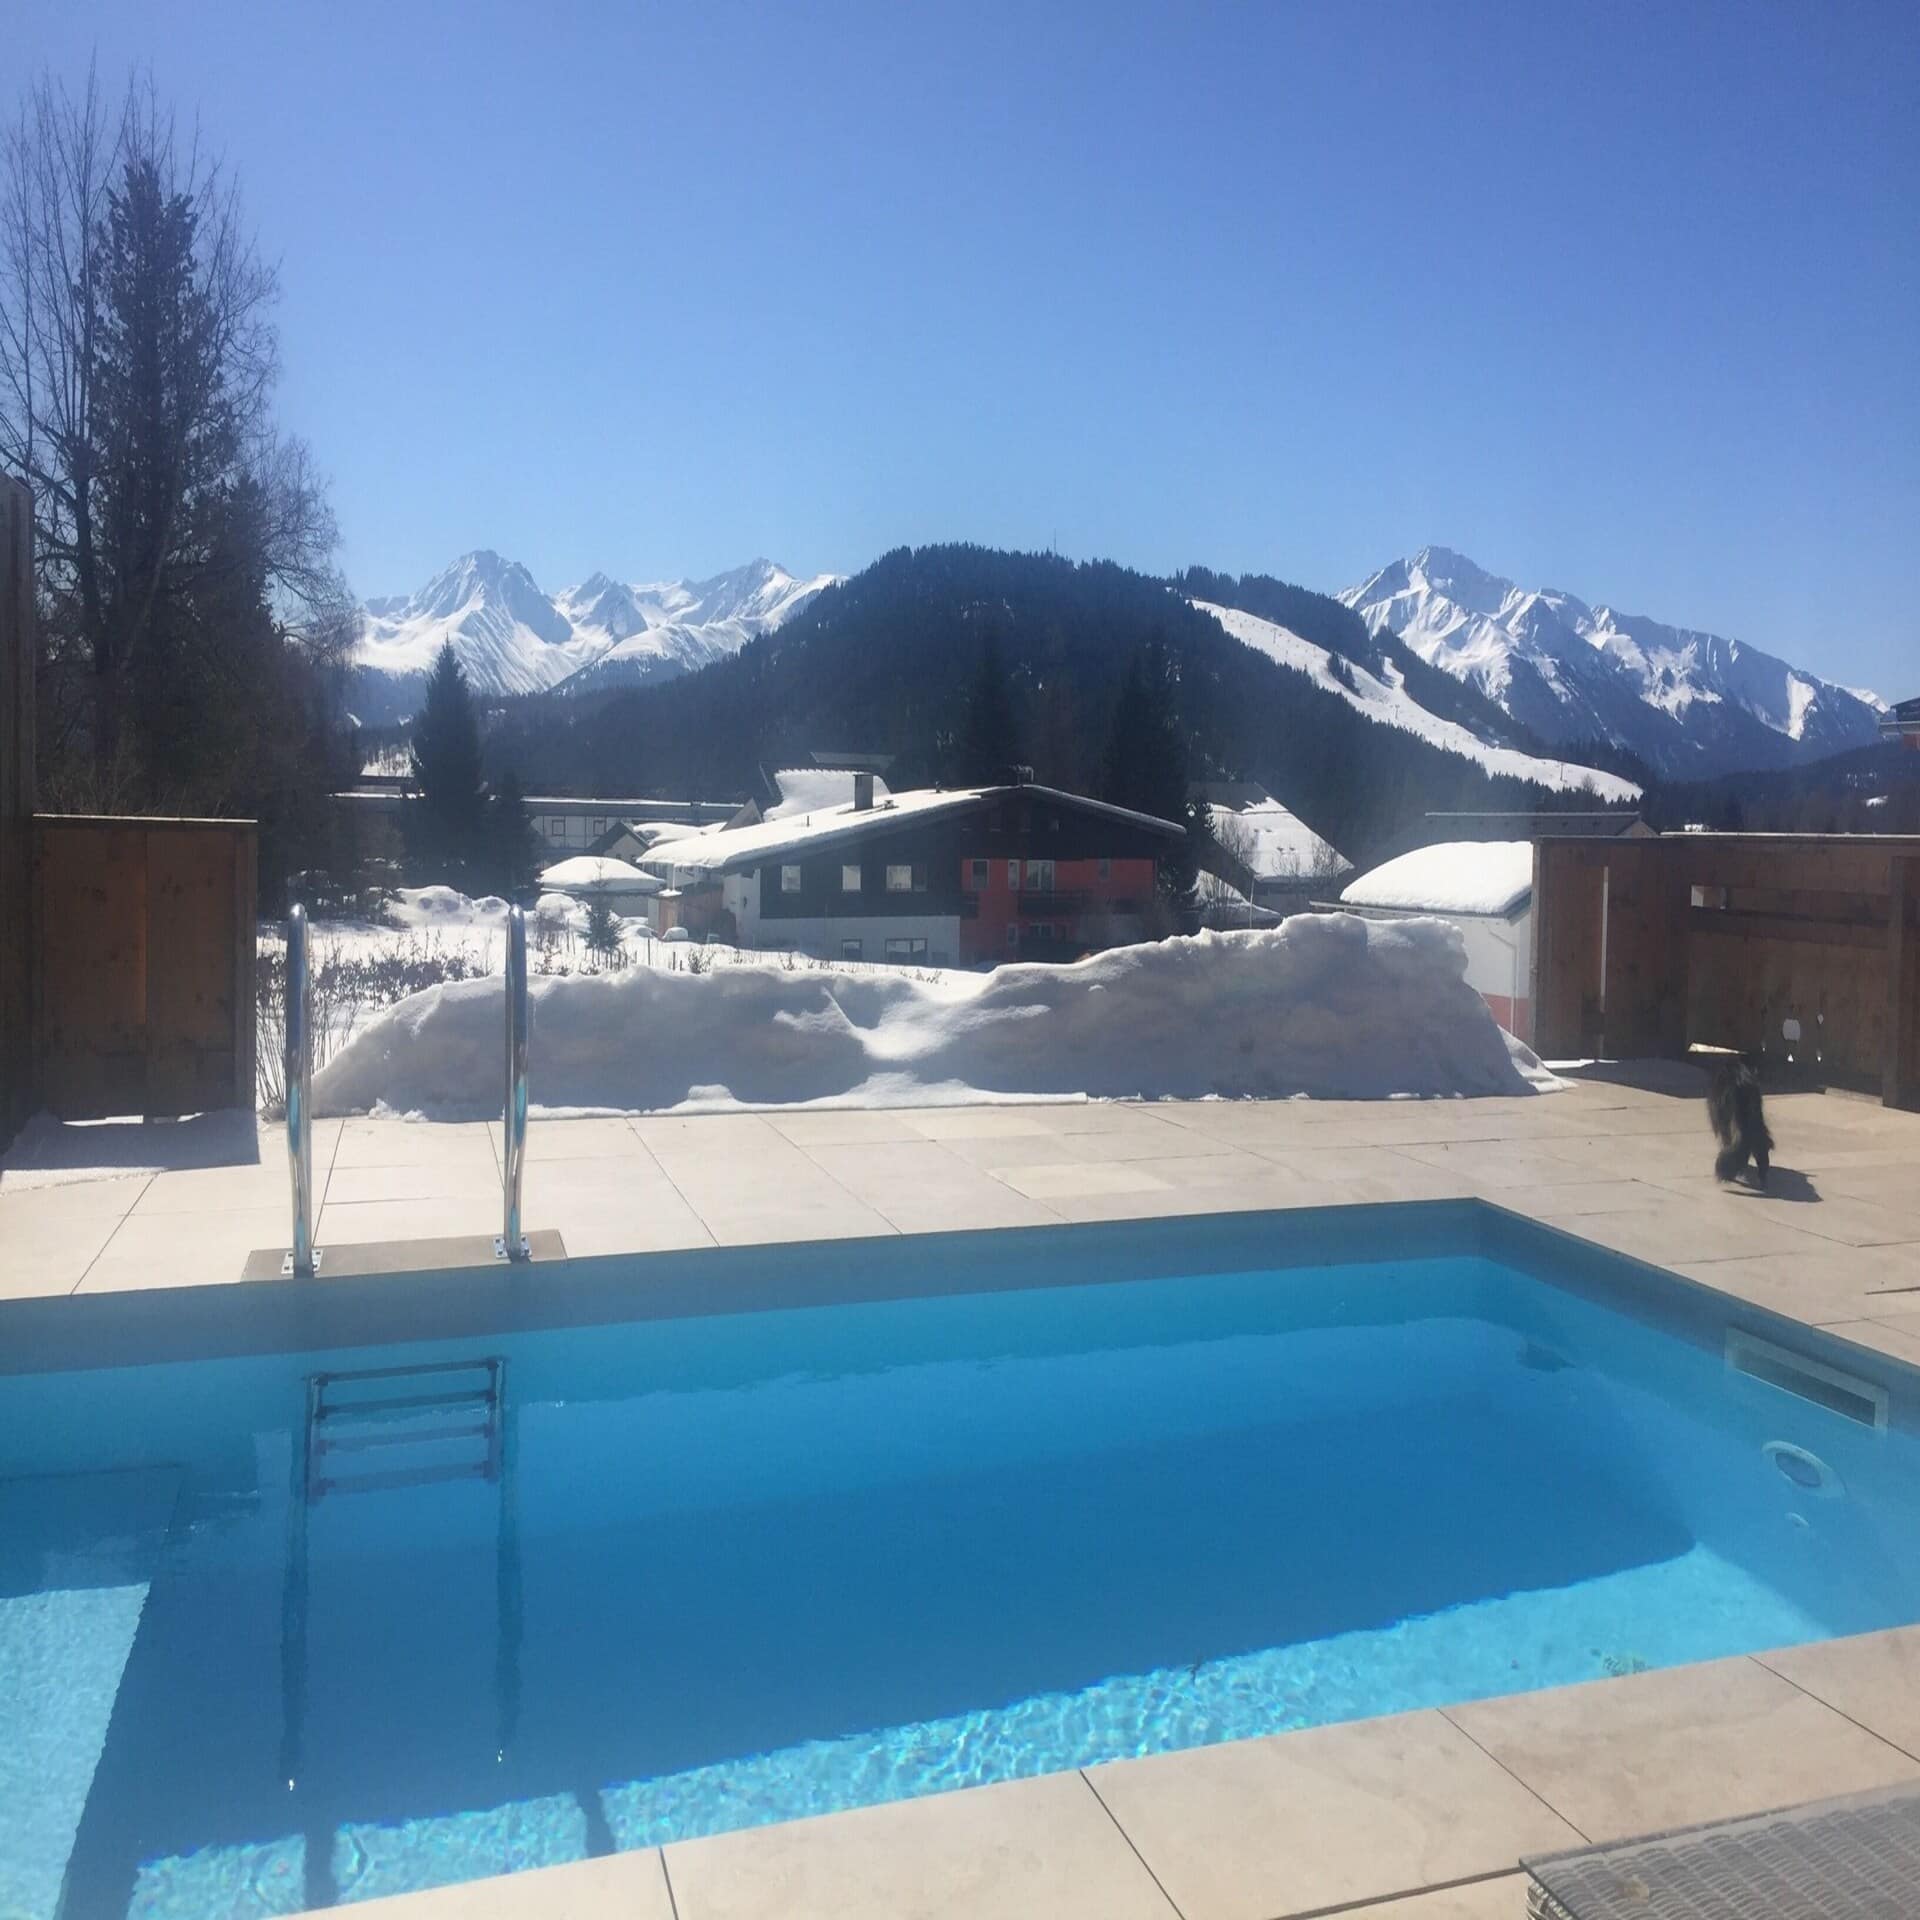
<point x="1499" y="960"/>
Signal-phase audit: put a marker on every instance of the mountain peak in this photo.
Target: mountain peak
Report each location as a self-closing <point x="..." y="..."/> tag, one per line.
<point x="1689" y="704"/>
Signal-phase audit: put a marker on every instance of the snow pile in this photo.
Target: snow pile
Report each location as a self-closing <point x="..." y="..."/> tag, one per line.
<point x="1332" y="1006"/>
<point x="1454" y="876"/>
<point x="442" y="907"/>
<point x="596" y="873"/>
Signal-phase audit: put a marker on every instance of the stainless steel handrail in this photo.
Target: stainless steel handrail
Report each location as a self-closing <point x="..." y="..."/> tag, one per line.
<point x="512" y="1244"/>
<point x="298" y="1074"/>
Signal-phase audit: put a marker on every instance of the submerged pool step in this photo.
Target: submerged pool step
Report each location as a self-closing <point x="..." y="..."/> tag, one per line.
<point x="386" y="1427"/>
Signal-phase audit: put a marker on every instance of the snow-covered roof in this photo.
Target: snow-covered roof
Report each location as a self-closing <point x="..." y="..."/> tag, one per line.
<point x="1492" y="877"/>
<point x="596" y="873"/>
<point x="812" y="789"/>
<point x="737" y="847"/>
<point x="1280" y="845"/>
<point x="768" y="839"/>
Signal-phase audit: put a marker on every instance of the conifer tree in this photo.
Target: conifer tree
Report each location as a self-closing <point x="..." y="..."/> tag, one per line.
<point x="989" y="735"/>
<point x="446" y="822"/>
<point x="513" y="853"/>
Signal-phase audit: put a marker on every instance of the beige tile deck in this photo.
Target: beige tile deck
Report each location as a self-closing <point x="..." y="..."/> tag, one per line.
<point x="1681" y="1746"/>
<point x="1418" y="1817"/>
<point x="1040" y="1849"/>
<point x="623" y="1886"/>
<point x="1258" y="1829"/>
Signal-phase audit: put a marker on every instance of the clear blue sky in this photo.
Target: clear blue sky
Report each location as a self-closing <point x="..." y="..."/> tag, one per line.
<point x="1622" y="299"/>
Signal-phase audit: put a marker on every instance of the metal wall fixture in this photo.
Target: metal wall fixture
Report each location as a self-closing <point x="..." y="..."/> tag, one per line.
<point x="302" y="1261"/>
<point x="512" y="1243"/>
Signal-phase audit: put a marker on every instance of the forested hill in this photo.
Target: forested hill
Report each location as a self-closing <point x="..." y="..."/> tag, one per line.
<point x="904" y="657"/>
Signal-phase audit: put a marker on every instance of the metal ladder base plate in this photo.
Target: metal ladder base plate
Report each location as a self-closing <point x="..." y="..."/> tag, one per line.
<point x="286" y="1263"/>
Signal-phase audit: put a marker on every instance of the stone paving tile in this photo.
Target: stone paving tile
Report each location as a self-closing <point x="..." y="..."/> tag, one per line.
<point x="1501" y="1899"/>
<point x="1873" y="1678"/>
<point x="1491" y="1163"/>
<point x="1683" y="1231"/>
<point x="466" y="1178"/>
<point x="1257" y="1829"/>
<point x="1040" y="1849"/>
<point x="1080" y="1179"/>
<point x="186" y="1249"/>
<point x="622" y="1886"/>
<point x="359" y="1221"/>
<point x="922" y="1188"/>
<point x="1807" y="1205"/>
<point x="595" y="1139"/>
<point x="711" y="1135"/>
<point x="1671" y="1749"/>
<point x="50" y="1236"/>
<point x="978" y="1123"/>
<point x="1565" y="1202"/>
<point x="846" y="1128"/>
<point x="765" y="1192"/>
<point x="204" y="1189"/>
<point x="1865" y="1282"/>
<point x="385" y="1143"/>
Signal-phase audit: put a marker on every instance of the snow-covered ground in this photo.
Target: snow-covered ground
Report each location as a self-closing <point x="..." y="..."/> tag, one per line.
<point x="1330" y="1006"/>
<point x="1388" y="702"/>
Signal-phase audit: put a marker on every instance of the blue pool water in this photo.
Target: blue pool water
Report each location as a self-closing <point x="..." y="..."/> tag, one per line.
<point x="747" y="1565"/>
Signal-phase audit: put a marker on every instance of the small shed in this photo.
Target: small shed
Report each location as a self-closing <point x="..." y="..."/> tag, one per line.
<point x="594" y="876"/>
<point x="1485" y="887"/>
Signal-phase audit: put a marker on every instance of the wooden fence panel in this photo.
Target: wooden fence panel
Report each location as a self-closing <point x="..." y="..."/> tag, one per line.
<point x="17" y="656"/>
<point x="1719" y="939"/>
<point x="144" y="965"/>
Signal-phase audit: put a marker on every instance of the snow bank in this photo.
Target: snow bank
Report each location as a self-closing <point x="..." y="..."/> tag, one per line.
<point x="1454" y="876"/>
<point x="444" y="907"/>
<point x="1333" y="1006"/>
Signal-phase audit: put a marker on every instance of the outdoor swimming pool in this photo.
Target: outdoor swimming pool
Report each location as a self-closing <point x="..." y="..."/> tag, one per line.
<point x="287" y="1627"/>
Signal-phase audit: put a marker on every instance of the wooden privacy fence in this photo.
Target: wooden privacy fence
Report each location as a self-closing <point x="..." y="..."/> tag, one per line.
<point x="144" y="964"/>
<point x="1652" y="946"/>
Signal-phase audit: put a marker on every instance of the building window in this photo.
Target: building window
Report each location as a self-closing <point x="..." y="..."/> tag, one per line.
<point x="1039" y="876"/>
<point x="907" y="879"/>
<point x="850" y="882"/>
<point x="789" y="879"/>
<point x="597" y="829"/>
<point x="1106" y="868"/>
<point x="852" y="949"/>
<point x="979" y="875"/>
<point x="1013" y="875"/>
<point x="902" y="949"/>
<point x="1013" y="933"/>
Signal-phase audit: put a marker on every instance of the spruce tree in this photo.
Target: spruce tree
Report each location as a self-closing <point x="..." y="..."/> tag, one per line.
<point x="603" y="933"/>
<point x="513" y="854"/>
<point x="989" y="735"/>
<point x="446" y="821"/>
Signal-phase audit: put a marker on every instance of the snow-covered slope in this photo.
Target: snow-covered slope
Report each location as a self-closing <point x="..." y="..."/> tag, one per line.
<point x="513" y="638"/>
<point x="1382" y="697"/>
<point x="1690" y="704"/>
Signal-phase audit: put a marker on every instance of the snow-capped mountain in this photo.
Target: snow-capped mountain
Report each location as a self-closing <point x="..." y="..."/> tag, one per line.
<point x="511" y="637"/>
<point x="1691" y="705"/>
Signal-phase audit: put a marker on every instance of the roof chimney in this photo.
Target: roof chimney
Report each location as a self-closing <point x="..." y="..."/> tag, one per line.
<point x="863" y="793"/>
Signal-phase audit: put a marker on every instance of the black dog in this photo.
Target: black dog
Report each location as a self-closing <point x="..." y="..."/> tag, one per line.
<point x="1739" y="1120"/>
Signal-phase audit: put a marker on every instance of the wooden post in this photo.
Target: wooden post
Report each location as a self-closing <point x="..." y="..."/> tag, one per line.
<point x="1903" y="1017"/>
<point x="18" y="653"/>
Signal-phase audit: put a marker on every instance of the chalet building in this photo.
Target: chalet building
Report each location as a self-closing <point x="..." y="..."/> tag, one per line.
<point x="962" y="878"/>
<point x="1902" y="723"/>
